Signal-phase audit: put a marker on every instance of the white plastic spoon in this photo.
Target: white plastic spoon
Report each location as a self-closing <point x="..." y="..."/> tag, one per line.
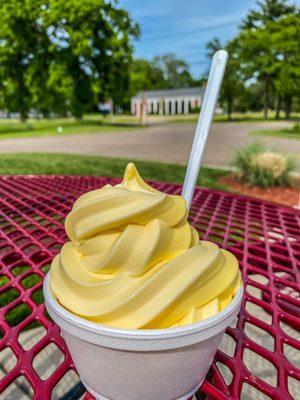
<point x="211" y="95"/>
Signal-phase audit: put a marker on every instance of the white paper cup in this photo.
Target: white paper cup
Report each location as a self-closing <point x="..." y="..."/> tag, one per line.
<point x="119" y="364"/>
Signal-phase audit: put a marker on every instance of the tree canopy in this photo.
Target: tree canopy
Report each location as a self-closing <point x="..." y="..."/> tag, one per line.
<point x="63" y="55"/>
<point x="265" y="55"/>
<point x="268" y="10"/>
<point x="163" y="72"/>
<point x="232" y="85"/>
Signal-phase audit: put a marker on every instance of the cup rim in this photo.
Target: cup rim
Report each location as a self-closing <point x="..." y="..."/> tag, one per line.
<point x="105" y="330"/>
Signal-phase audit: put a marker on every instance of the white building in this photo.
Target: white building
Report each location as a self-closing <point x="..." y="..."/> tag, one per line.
<point x="170" y="101"/>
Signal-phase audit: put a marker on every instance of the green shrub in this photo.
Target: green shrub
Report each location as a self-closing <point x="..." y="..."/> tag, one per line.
<point x="259" y="167"/>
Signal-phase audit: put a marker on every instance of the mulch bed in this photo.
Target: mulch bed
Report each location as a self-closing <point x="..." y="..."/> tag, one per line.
<point x="286" y="196"/>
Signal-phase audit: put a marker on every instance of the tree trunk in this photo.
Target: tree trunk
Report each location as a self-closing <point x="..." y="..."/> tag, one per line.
<point x="22" y="100"/>
<point x="266" y="96"/>
<point x="288" y="106"/>
<point x="229" y="107"/>
<point x="22" y="92"/>
<point x="278" y="107"/>
<point x="23" y="116"/>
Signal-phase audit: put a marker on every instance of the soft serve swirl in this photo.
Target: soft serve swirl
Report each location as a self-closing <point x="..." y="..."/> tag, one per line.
<point x="134" y="262"/>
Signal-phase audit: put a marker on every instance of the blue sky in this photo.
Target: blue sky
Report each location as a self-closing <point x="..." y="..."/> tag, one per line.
<point x="185" y="26"/>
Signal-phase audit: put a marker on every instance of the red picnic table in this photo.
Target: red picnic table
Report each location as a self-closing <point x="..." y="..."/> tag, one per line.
<point x="258" y="356"/>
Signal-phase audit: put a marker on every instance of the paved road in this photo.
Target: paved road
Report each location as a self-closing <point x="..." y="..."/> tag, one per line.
<point x="167" y="142"/>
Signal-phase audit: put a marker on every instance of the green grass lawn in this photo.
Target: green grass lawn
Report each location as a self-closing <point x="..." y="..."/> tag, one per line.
<point x="287" y="133"/>
<point x="252" y="117"/>
<point x="236" y="117"/>
<point x="72" y="164"/>
<point x="47" y="127"/>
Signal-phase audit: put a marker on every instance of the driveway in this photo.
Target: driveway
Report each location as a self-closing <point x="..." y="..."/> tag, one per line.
<point x="167" y="142"/>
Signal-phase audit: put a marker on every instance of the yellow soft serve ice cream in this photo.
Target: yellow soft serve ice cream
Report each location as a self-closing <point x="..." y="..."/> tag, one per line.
<point x="134" y="262"/>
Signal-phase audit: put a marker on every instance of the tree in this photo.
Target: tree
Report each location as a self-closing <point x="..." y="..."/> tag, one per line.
<point x="21" y="39"/>
<point x="257" y="52"/>
<point x="286" y="44"/>
<point x="94" y="40"/>
<point x="257" y="60"/>
<point x="232" y="85"/>
<point x="164" y="72"/>
<point x="268" y="11"/>
<point x="80" y="50"/>
<point x="251" y="97"/>
<point x="144" y="75"/>
<point x="175" y="71"/>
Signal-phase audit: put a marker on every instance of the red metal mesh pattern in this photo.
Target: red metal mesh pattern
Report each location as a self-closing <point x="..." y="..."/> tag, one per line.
<point x="258" y="354"/>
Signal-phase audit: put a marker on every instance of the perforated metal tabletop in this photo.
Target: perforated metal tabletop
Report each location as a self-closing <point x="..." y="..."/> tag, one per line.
<point x="259" y="355"/>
